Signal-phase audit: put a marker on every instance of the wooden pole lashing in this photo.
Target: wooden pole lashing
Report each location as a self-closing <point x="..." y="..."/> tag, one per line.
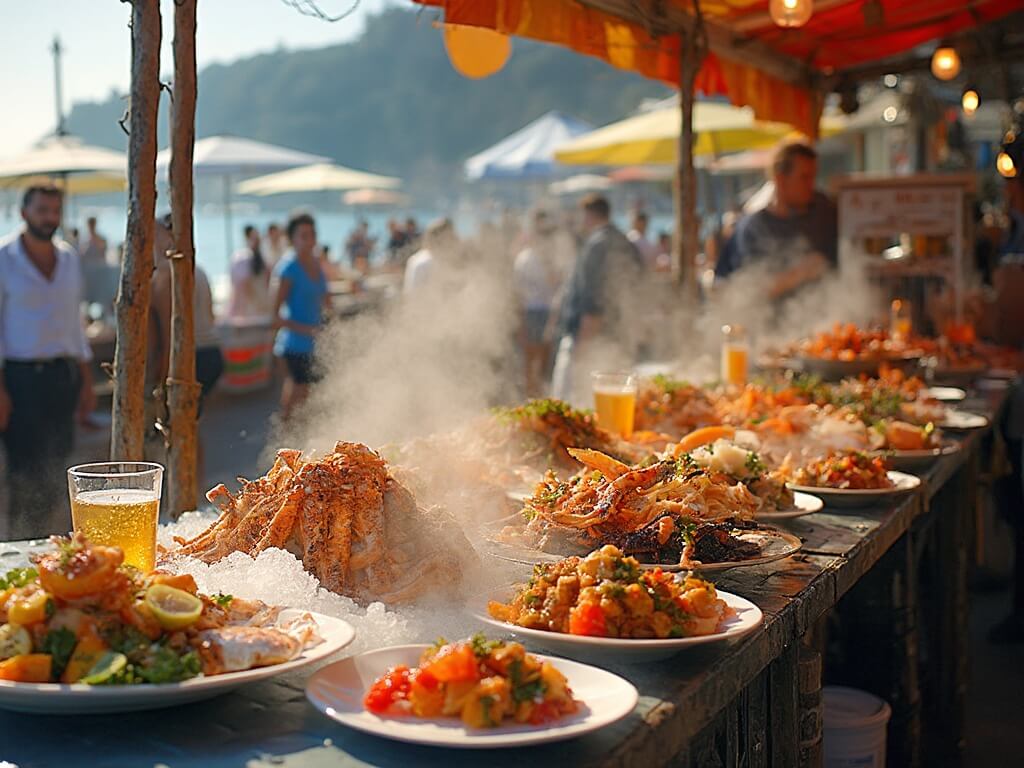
<point x="181" y="387"/>
<point x="128" y="426"/>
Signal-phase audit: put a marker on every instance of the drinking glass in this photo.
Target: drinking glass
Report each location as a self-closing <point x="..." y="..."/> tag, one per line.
<point x="117" y="504"/>
<point x="615" y="401"/>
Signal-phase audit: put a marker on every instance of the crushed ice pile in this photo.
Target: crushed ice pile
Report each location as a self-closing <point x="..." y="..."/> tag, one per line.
<point x="277" y="577"/>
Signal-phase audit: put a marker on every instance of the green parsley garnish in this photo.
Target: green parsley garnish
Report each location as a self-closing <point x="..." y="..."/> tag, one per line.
<point x="222" y="600"/>
<point x="18" y="577"/>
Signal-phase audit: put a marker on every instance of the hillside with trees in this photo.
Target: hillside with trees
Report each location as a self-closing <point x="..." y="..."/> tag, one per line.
<point x="390" y="101"/>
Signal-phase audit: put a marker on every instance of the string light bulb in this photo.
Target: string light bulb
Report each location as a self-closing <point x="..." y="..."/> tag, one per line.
<point x="970" y="101"/>
<point x="790" y="13"/>
<point x="1005" y="166"/>
<point x="945" y="62"/>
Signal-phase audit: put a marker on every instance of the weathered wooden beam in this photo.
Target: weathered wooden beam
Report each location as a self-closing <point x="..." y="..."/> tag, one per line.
<point x="660" y="18"/>
<point x="182" y="388"/>
<point x="693" y="50"/>
<point x="128" y="426"/>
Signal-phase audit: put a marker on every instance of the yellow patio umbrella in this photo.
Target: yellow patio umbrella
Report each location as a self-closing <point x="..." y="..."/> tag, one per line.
<point x="66" y="161"/>
<point x="652" y="138"/>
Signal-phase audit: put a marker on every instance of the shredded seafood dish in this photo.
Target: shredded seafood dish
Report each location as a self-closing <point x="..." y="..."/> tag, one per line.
<point x="81" y="616"/>
<point x="674" y="407"/>
<point x="606" y="594"/>
<point x="540" y="433"/>
<point x="743" y="463"/>
<point x="355" y="527"/>
<point x="845" y="341"/>
<point x="483" y="682"/>
<point x="669" y="511"/>
<point x="852" y="471"/>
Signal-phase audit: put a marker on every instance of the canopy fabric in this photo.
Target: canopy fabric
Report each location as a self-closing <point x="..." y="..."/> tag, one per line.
<point x="374" y="196"/>
<point x="583" y="182"/>
<point x="527" y="153"/>
<point x="652" y="138"/>
<point x="839" y="35"/>
<point x="78" y="167"/>
<point x="231" y="155"/>
<point x="315" y="178"/>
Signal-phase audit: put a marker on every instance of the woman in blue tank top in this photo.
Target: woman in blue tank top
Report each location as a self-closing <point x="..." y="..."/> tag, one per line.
<point x="299" y="310"/>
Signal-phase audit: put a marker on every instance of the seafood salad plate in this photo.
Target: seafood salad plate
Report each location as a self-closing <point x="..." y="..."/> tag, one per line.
<point x="606" y="606"/>
<point x="80" y="633"/>
<point x="471" y="694"/>
<point x="669" y="512"/>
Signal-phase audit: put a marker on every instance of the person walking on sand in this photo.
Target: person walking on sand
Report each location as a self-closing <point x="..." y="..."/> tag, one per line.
<point x="250" y="279"/>
<point x="46" y="358"/>
<point x="94" y="249"/>
<point x="300" y="305"/>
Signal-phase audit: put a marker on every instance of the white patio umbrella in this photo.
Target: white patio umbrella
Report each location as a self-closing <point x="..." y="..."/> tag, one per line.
<point x="581" y="182"/>
<point x="316" y="178"/>
<point x="231" y="156"/>
<point x="66" y="161"/>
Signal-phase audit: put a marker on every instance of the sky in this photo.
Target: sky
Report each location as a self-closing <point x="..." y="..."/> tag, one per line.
<point x="97" y="48"/>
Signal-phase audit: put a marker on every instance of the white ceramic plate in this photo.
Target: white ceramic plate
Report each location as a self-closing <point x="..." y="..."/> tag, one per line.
<point x="775" y="545"/>
<point x="803" y="504"/>
<point x="748" y="617"/>
<point x="911" y="460"/>
<point x="957" y="419"/>
<point x="337" y="690"/>
<point x="944" y="394"/>
<point x="55" y="698"/>
<point x="850" y="497"/>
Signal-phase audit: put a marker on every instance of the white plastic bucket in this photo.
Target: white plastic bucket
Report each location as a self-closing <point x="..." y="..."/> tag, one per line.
<point x="855" y="726"/>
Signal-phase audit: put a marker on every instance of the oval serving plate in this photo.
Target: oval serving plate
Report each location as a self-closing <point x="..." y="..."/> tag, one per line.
<point x="338" y="689"/>
<point x="862" y="497"/>
<point x="747" y="617"/>
<point x="58" y="698"/>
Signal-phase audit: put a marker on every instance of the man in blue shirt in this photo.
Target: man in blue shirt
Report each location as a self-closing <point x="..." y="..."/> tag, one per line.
<point x="795" y="237"/>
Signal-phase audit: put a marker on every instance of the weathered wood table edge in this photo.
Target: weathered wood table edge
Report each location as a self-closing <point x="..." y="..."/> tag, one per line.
<point x="756" y="702"/>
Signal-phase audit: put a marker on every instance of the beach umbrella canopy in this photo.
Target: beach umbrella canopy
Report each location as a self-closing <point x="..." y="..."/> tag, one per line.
<point x="66" y="160"/>
<point x="375" y="197"/>
<point x="227" y="156"/>
<point x="582" y="182"/>
<point x="653" y="137"/>
<point x="527" y="153"/>
<point x="234" y="156"/>
<point x="318" y="177"/>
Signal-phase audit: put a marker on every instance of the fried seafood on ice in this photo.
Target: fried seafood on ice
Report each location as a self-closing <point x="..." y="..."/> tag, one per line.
<point x="356" y="528"/>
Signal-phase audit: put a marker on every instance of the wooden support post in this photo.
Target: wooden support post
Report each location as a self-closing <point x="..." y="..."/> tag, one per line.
<point x="691" y="55"/>
<point x="128" y="426"/>
<point x="812" y="712"/>
<point x="182" y="388"/>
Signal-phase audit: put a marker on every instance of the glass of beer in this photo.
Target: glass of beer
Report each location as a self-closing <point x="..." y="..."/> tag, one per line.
<point x="117" y="504"/>
<point x="615" y="401"/>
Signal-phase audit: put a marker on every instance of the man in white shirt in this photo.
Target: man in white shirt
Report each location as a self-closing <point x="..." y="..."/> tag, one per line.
<point x="537" y="281"/>
<point x="439" y="241"/>
<point x="638" y="237"/>
<point x="46" y="356"/>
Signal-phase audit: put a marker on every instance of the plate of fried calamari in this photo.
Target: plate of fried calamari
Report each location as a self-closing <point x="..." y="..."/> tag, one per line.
<point x="81" y="633"/>
<point x="668" y="512"/>
<point x="607" y="605"/>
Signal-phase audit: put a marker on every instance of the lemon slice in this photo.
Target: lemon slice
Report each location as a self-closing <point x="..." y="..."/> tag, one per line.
<point x="109" y="665"/>
<point x="173" y="608"/>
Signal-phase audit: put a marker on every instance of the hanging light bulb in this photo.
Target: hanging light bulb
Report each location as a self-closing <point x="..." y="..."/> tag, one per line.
<point x="970" y="101"/>
<point x="945" y="62"/>
<point x="1005" y="166"/>
<point x="790" y="13"/>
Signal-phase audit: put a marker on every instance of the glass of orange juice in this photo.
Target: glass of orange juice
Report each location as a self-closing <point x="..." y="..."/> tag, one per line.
<point x="901" y="323"/>
<point x="117" y="504"/>
<point x="735" y="355"/>
<point x="615" y="401"/>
